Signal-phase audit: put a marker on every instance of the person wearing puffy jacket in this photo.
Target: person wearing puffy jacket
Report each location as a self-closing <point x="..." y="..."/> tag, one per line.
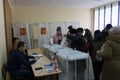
<point x="111" y="55"/>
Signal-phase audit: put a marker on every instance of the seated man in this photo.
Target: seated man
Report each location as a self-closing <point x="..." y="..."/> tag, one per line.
<point x="16" y="60"/>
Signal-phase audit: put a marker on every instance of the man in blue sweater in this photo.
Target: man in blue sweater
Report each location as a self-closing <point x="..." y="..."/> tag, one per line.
<point x="16" y="60"/>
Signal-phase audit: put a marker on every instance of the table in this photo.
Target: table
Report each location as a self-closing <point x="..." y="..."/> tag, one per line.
<point x="72" y="62"/>
<point x="44" y="60"/>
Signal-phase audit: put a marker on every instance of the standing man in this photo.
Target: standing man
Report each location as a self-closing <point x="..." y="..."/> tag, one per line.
<point x="77" y="44"/>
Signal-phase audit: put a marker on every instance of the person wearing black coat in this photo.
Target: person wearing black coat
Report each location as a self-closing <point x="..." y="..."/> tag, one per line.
<point x="77" y="43"/>
<point x="16" y="60"/>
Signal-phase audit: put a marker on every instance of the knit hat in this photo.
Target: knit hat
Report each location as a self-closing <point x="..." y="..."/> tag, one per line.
<point x="114" y="30"/>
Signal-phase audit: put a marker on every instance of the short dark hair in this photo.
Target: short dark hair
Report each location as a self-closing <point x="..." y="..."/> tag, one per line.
<point x="80" y="30"/>
<point x="70" y="27"/>
<point x="14" y="39"/>
<point x="108" y="26"/>
<point x="105" y="34"/>
<point x="98" y="35"/>
<point x="73" y="31"/>
<point x="58" y="28"/>
<point x="20" y="44"/>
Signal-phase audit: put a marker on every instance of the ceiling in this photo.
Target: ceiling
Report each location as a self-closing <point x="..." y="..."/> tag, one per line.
<point x="62" y="3"/>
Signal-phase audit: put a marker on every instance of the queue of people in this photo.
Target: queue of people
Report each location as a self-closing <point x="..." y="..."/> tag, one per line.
<point x="103" y="49"/>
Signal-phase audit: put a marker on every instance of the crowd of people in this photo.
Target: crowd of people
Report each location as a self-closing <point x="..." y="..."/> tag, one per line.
<point x="103" y="48"/>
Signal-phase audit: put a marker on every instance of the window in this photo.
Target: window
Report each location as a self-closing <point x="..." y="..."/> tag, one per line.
<point x="115" y="14"/>
<point x="108" y="14"/>
<point x="96" y="19"/>
<point x="101" y="25"/>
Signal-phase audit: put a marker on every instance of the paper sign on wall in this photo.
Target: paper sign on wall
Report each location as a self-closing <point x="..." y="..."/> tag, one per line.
<point x="43" y="31"/>
<point x="22" y="31"/>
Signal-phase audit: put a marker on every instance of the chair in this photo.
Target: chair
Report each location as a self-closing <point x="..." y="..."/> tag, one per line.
<point x="15" y="78"/>
<point x="4" y="71"/>
<point x="6" y="75"/>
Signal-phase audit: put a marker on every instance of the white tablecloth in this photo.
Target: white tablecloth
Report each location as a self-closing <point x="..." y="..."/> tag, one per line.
<point x="66" y="53"/>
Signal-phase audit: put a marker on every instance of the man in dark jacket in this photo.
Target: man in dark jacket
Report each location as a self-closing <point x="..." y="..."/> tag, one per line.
<point x="16" y="60"/>
<point x="77" y="42"/>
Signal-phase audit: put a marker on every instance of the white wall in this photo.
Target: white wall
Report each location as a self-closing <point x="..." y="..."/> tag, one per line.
<point x="2" y="38"/>
<point x="28" y="14"/>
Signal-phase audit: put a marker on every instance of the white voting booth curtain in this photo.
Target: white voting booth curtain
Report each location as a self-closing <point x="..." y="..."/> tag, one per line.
<point x="37" y="34"/>
<point x="21" y="31"/>
<point x="51" y="30"/>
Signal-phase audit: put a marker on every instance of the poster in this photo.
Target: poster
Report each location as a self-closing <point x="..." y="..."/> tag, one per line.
<point x="22" y="31"/>
<point x="43" y="31"/>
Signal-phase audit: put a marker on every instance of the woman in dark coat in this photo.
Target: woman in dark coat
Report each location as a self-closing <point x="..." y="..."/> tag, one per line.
<point x="97" y="63"/>
<point x="89" y="41"/>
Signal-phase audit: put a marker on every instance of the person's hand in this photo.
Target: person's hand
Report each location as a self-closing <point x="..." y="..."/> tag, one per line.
<point x="65" y="35"/>
<point x="98" y="51"/>
<point x="37" y="58"/>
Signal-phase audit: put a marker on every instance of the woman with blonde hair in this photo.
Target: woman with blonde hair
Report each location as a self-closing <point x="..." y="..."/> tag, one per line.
<point x="111" y="55"/>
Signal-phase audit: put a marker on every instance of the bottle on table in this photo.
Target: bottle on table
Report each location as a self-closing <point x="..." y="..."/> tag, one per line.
<point x="54" y="62"/>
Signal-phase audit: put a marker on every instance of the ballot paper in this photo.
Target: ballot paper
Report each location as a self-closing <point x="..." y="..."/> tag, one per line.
<point x="40" y="59"/>
<point x="63" y="41"/>
<point x="100" y="58"/>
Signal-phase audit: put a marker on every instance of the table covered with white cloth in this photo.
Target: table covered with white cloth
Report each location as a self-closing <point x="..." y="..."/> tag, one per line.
<point x="71" y="62"/>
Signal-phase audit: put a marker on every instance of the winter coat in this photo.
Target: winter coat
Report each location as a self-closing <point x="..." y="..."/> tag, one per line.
<point x="77" y="42"/>
<point x="96" y="46"/>
<point x="111" y="56"/>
